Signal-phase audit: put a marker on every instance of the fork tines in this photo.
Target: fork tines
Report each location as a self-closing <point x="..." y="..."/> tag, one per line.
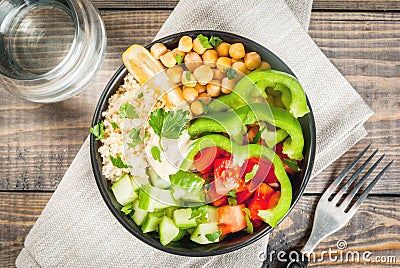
<point x="347" y="200"/>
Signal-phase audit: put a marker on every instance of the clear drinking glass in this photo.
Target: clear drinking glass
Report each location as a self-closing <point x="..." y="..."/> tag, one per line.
<point x="49" y="50"/>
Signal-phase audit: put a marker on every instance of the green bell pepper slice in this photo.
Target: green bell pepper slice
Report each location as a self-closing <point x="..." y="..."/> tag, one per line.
<point x="255" y="84"/>
<point x="240" y="154"/>
<point x="293" y="146"/>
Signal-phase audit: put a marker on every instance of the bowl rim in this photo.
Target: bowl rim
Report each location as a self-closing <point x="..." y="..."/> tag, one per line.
<point x="97" y="117"/>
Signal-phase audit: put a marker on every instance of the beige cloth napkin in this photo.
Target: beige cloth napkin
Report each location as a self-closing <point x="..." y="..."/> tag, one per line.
<point x="76" y="229"/>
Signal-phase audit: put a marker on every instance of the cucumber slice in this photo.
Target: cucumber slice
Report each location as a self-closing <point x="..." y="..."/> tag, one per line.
<point x="168" y="231"/>
<point x="196" y="197"/>
<point x="206" y="213"/>
<point x="152" y="198"/>
<point x="151" y="222"/>
<point x="187" y="180"/>
<point x="212" y="214"/>
<point x="157" y="181"/>
<point x="124" y="190"/>
<point x="180" y="235"/>
<point x="199" y="235"/>
<point x="139" y="215"/>
<point x="190" y="231"/>
<point x="182" y="218"/>
<point x="169" y="212"/>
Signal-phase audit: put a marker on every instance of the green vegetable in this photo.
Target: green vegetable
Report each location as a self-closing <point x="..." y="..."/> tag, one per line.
<point x="169" y="124"/>
<point x="292" y="164"/>
<point x="135" y="136"/>
<point x="204" y="41"/>
<point x="127" y="111"/>
<point x="98" y="130"/>
<point x="231" y="73"/>
<point x="271" y="216"/>
<point x="249" y="176"/>
<point x="255" y="84"/>
<point x="179" y="58"/>
<point x="213" y="236"/>
<point x="187" y="180"/>
<point x="168" y="231"/>
<point x="215" y="41"/>
<point x="114" y="125"/>
<point x="228" y="122"/>
<point x="232" y="193"/>
<point x="124" y="190"/>
<point x="232" y="201"/>
<point x="151" y="222"/>
<point x="127" y="209"/>
<point x="272" y="138"/>
<point x="182" y="218"/>
<point x="156" y="153"/>
<point x="199" y="235"/>
<point x="157" y="181"/>
<point x="140" y="95"/>
<point x="117" y="162"/>
<point x="247" y="218"/>
<point x="139" y="216"/>
<point x="257" y="137"/>
<point x="187" y="73"/>
<point x="152" y="198"/>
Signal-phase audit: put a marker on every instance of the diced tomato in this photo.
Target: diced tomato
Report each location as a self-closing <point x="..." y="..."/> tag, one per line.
<point x="242" y="196"/>
<point x="226" y="175"/>
<point x="231" y="219"/>
<point x="265" y="172"/>
<point x="204" y="160"/>
<point x="216" y="199"/>
<point x="273" y="200"/>
<point x="261" y="200"/>
<point x="256" y="223"/>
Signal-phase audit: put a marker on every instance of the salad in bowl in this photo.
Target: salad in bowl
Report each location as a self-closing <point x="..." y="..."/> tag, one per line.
<point x="200" y="144"/>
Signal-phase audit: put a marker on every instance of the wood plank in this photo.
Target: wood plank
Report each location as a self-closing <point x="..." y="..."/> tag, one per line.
<point x="375" y="227"/>
<point x="317" y="5"/>
<point x="35" y="155"/>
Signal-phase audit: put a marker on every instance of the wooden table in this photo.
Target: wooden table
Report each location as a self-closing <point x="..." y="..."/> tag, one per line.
<point x="361" y="37"/>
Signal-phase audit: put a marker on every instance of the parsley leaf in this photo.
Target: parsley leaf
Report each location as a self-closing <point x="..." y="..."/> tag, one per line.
<point x="213" y="236"/>
<point x="247" y="218"/>
<point x="117" y="162"/>
<point x="127" y="209"/>
<point x="179" y="58"/>
<point x="292" y="164"/>
<point x="249" y="119"/>
<point x="257" y="137"/>
<point x="135" y="136"/>
<point x="232" y="193"/>
<point x="156" y="153"/>
<point x="187" y="75"/>
<point x="127" y="111"/>
<point x="232" y="201"/>
<point x="249" y="176"/>
<point x="114" y="125"/>
<point x="175" y="123"/>
<point x="200" y="214"/>
<point x="215" y="41"/>
<point x="231" y="73"/>
<point x="157" y="120"/>
<point x="98" y="130"/>
<point x="140" y="95"/>
<point x="204" y="41"/>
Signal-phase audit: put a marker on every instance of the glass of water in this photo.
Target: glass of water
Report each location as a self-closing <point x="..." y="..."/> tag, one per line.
<point x="49" y="50"/>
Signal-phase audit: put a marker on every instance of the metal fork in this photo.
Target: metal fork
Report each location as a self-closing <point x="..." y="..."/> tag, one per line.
<point x="331" y="214"/>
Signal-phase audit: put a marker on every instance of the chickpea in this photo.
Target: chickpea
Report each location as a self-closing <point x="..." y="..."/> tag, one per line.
<point x="227" y="85"/>
<point x="264" y="66"/>
<point x="223" y="63"/>
<point x="218" y="74"/>
<point x="214" y="88"/>
<point x="192" y="61"/>
<point x="157" y="50"/>
<point x="168" y="59"/>
<point x="197" y="107"/>
<point x="190" y="94"/>
<point x="200" y="88"/>
<point x="252" y="60"/>
<point x="185" y="44"/>
<point x="175" y="73"/>
<point x="240" y="68"/>
<point x="236" y="51"/>
<point x="188" y="79"/>
<point x="198" y="46"/>
<point x="177" y="52"/>
<point x="210" y="57"/>
<point x="203" y="74"/>
<point x="205" y="98"/>
<point x="252" y="133"/>
<point x="237" y="60"/>
<point x="223" y="49"/>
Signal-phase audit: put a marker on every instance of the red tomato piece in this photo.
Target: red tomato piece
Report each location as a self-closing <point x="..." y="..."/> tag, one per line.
<point x="261" y="200"/>
<point x="231" y="219"/>
<point x="204" y="160"/>
<point x="226" y="175"/>
<point x="279" y="151"/>
<point x="242" y="196"/>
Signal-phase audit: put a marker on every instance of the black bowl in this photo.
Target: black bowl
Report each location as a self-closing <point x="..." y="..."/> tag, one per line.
<point x="233" y="241"/>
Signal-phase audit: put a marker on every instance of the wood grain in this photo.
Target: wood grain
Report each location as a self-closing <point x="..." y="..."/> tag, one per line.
<point x="375" y="227"/>
<point x="317" y="5"/>
<point x="38" y="142"/>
